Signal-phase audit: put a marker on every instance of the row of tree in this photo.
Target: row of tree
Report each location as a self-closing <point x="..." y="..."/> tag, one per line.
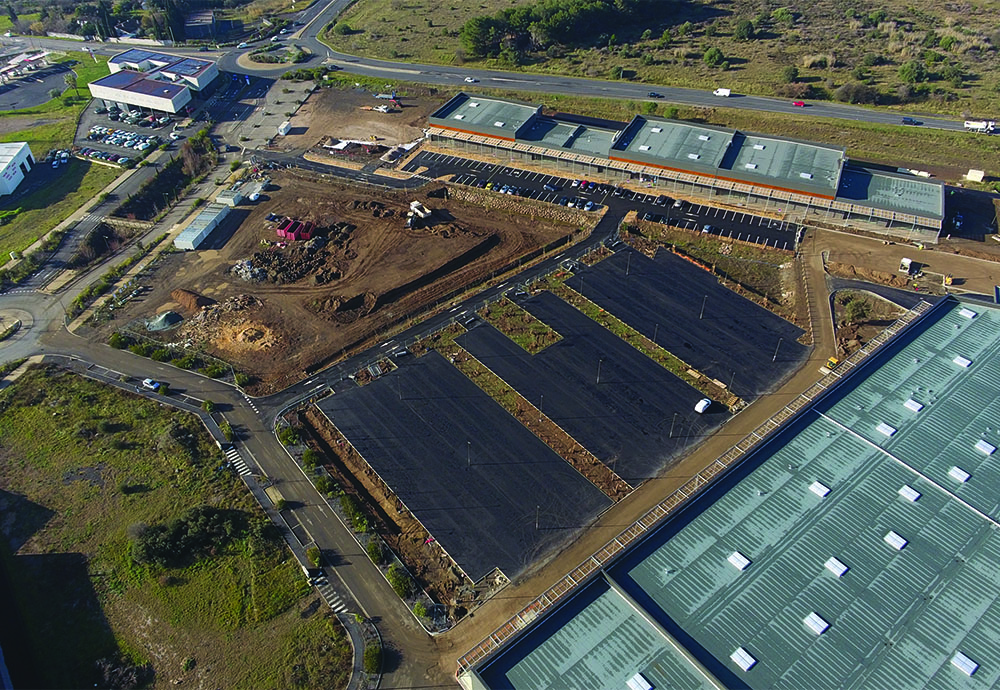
<point x="546" y="22"/>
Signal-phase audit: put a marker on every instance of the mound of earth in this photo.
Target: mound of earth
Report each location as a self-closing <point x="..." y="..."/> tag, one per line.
<point x="859" y="273"/>
<point x="190" y="301"/>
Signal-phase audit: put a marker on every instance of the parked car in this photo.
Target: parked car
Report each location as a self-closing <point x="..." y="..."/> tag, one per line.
<point x="550" y="187"/>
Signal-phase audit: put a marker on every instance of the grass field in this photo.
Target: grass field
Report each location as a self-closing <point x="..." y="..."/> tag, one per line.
<point x="80" y="466"/>
<point x="520" y="326"/>
<point x="58" y="193"/>
<point x="828" y="43"/>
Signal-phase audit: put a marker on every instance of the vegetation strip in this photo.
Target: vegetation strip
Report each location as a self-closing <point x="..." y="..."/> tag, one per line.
<point x="520" y="326"/>
<point x="550" y="433"/>
<point x="556" y="284"/>
<point x="107" y="281"/>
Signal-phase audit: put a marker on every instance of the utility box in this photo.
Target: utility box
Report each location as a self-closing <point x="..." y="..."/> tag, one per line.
<point x="284" y="128"/>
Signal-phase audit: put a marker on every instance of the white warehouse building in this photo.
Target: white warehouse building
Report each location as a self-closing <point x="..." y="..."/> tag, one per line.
<point x="16" y="162"/>
<point x="156" y="81"/>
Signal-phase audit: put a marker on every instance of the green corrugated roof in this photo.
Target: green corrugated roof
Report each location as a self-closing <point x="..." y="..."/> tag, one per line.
<point x="490" y="116"/>
<point x="600" y="648"/>
<point x="780" y="161"/>
<point x="893" y="192"/>
<point x="896" y="617"/>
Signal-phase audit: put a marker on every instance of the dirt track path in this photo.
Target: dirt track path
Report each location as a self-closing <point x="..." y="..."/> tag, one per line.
<point x="517" y="595"/>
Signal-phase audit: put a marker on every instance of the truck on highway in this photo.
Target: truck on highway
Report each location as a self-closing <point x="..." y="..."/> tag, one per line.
<point x="982" y="126"/>
<point x="722" y="92"/>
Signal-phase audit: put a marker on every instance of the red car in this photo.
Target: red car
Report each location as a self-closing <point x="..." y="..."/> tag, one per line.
<point x="799" y="104"/>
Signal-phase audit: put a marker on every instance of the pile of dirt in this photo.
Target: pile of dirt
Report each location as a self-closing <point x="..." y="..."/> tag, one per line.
<point x="229" y="326"/>
<point x="345" y="310"/>
<point x="191" y="301"/>
<point x="866" y="274"/>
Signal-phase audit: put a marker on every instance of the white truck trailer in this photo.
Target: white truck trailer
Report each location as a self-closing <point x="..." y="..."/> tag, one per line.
<point x="982" y="126"/>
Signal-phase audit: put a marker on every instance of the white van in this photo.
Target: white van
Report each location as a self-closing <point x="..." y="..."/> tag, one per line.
<point x="703" y="405"/>
<point x="722" y="92"/>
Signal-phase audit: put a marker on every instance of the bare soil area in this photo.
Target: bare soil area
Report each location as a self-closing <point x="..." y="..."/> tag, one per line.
<point x="860" y="316"/>
<point x="338" y="112"/>
<point x="288" y="307"/>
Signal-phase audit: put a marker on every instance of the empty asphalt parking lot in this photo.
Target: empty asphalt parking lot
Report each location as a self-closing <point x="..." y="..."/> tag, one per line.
<point x="734" y="340"/>
<point x="471" y="473"/>
<point x="635" y="417"/>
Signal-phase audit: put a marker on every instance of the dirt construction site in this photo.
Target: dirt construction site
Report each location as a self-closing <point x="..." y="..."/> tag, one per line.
<point x="277" y="308"/>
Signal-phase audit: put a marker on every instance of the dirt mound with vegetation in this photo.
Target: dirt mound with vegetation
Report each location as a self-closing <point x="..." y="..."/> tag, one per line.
<point x="866" y="274"/>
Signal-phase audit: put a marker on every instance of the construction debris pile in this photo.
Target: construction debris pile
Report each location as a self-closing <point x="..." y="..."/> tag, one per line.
<point x="323" y="259"/>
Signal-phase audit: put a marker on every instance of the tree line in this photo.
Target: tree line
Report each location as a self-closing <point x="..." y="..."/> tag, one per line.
<point x="512" y="32"/>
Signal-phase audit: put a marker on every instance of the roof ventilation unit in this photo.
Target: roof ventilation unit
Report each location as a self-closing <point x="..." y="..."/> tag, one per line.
<point x="964" y="664"/>
<point x="885" y="429"/>
<point x="742" y="658"/>
<point x="895" y="541"/>
<point x="473" y="105"/>
<point x="958" y="474"/>
<point x="638" y="682"/>
<point x="704" y="137"/>
<point x="909" y="493"/>
<point x="835" y="566"/>
<point x="806" y="176"/>
<point x="498" y="123"/>
<point x="985" y="448"/>
<point x="656" y="130"/>
<point x="967" y="313"/>
<point x="693" y="156"/>
<point x="758" y="147"/>
<point x="751" y="166"/>
<point x="913" y="405"/>
<point x="460" y="117"/>
<point x="815" y="623"/>
<point x="819" y="489"/>
<point x="644" y="147"/>
<point x="739" y="561"/>
<point x="962" y="361"/>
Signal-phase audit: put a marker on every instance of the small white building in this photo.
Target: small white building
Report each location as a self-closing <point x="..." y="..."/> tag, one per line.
<point x="16" y="162"/>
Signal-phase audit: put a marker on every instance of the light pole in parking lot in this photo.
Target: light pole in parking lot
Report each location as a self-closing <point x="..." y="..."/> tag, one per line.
<point x="702" y="314"/>
<point x="775" y="357"/>
<point x="672" y="421"/>
<point x="599" y="363"/>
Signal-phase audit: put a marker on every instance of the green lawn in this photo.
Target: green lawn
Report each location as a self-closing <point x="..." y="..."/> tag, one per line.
<point x="67" y="189"/>
<point x="81" y="465"/>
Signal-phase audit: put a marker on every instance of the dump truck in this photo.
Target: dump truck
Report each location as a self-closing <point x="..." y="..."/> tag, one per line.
<point x="981" y="126"/>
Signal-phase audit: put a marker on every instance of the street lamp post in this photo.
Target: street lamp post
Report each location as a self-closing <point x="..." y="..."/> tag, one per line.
<point x="672" y="421"/>
<point x="599" y="363"/>
<point x="775" y="357"/>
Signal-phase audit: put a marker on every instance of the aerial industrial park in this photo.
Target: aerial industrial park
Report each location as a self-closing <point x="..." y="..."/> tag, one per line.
<point x="325" y="366"/>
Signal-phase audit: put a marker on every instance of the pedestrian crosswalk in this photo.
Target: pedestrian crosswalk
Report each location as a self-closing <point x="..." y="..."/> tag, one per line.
<point x="250" y="403"/>
<point x="333" y="600"/>
<point x="239" y="464"/>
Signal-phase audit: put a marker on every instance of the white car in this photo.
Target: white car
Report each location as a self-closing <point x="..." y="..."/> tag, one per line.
<point x="703" y="405"/>
<point x="471" y="80"/>
<point x="150" y="384"/>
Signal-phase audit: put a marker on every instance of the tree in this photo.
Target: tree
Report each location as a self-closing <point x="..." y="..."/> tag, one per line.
<point x="856" y="93"/>
<point x="783" y="15"/>
<point x="913" y="72"/>
<point x="744" y="30"/>
<point x="11" y="14"/>
<point x="419" y="610"/>
<point x="375" y="552"/>
<point x="55" y="93"/>
<point x="790" y="74"/>
<point x="684" y="29"/>
<point x="310" y="459"/>
<point x="480" y="36"/>
<point x="118" y="341"/>
<point x="713" y="56"/>
<point x="313" y="555"/>
<point x="227" y="431"/>
<point x="208" y="406"/>
<point x="647" y="34"/>
<point x="665" y="38"/>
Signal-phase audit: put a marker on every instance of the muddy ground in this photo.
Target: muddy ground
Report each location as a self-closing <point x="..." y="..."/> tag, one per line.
<point x="307" y="302"/>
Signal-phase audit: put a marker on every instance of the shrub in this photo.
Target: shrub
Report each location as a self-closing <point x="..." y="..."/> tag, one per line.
<point x="235" y="165"/>
<point x="856" y="93"/>
<point x="325" y="485"/>
<point x="242" y="379"/>
<point x="375" y="552"/>
<point x="342" y="29"/>
<point x="227" y="431"/>
<point x="185" y="362"/>
<point x="214" y="371"/>
<point x="313" y="555"/>
<point x="744" y="30"/>
<point x="141" y="349"/>
<point x="399" y="580"/>
<point x="281" y="505"/>
<point x="913" y="72"/>
<point x="288" y="435"/>
<point x="118" y="341"/>
<point x="208" y="406"/>
<point x="712" y="57"/>
<point x="160" y="354"/>
<point x="372" y="659"/>
<point x="790" y="74"/>
<point x="199" y="532"/>
<point x="310" y="459"/>
<point x="419" y="610"/>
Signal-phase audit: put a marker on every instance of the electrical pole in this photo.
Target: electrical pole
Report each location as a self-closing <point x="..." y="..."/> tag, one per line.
<point x="702" y="314"/>
<point x="775" y="357"/>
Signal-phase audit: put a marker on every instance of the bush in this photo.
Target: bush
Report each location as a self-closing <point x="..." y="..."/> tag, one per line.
<point x="325" y="485"/>
<point x="342" y="29"/>
<point x="199" y="532"/>
<point x="214" y="371"/>
<point x="310" y="459"/>
<point x="744" y="30"/>
<point x="185" y="362"/>
<point x="373" y="659"/>
<point x="399" y="580"/>
<point x="288" y="435"/>
<point x="313" y="555"/>
<point x="141" y="349"/>
<point x="713" y="57"/>
<point x="856" y="93"/>
<point x="235" y="165"/>
<point x="118" y="341"/>
<point x="160" y="354"/>
<point x="208" y="406"/>
<point x="790" y="74"/>
<point x="227" y="431"/>
<point x="281" y="505"/>
<point x="242" y="379"/>
<point x="375" y="552"/>
<point x="419" y="610"/>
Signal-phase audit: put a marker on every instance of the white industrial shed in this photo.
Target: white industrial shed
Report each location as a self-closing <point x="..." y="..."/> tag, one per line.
<point x="15" y="162"/>
<point x="201" y="227"/>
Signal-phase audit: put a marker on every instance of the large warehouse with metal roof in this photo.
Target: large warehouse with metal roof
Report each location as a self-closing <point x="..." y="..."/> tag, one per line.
<point x="798" y="180"/>
<point x="854" y="547"/>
